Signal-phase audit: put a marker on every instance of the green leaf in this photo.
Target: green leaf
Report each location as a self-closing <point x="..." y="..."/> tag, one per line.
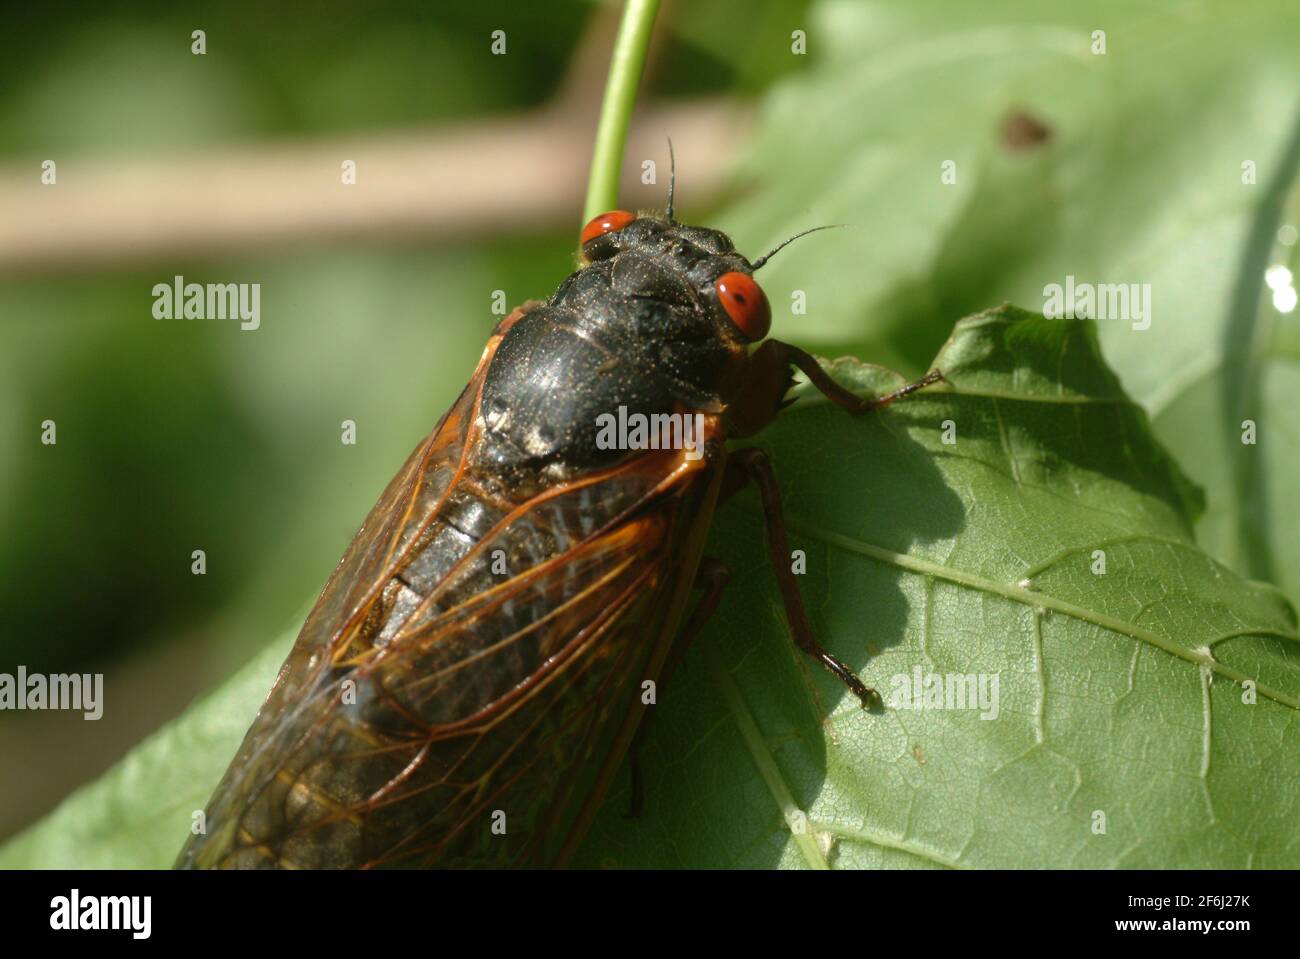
<point x="1139" y="179"/>
<point x="137" y="815"/>
<point x="1120" y="694"/>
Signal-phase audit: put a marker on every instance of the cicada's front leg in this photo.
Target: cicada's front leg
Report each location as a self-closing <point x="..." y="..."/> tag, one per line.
<point x="769" y="379"/>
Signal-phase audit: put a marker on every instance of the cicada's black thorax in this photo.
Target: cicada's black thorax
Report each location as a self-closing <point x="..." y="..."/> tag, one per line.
<point x="639" y="327"/>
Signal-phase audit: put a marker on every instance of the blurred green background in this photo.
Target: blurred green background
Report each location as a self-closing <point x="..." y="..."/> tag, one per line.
<point x="175" y="435"/>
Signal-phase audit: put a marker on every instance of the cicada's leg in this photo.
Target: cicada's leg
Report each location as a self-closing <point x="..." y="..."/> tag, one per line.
<point x="876" y="402"/>
<point x="837" y="394"/>
<point x="712" y="577"/>
<point x="768" y="379"/>
<point x="755" y="466"/>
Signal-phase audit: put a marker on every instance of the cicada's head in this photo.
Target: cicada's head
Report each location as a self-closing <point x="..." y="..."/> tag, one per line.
<point x="692" y="299"/>
<point x="701" y="262"/>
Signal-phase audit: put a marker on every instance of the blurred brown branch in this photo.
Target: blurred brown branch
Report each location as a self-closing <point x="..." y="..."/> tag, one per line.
<point x="503" y="175"/>
<point x="484" y="178"/>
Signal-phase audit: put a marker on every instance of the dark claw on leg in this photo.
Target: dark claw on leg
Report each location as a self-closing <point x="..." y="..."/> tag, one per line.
<point x="934" y="376"/>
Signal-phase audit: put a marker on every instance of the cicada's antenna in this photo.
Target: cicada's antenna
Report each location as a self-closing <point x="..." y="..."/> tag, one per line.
<point x="672" y="177"/>
<point x="781" y="246"/>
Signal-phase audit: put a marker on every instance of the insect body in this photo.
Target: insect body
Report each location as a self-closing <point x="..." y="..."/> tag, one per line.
<point x="471" y="676"/>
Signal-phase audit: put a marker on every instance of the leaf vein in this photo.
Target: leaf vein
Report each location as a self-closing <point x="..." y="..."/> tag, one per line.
<point x="1019" y="594"/>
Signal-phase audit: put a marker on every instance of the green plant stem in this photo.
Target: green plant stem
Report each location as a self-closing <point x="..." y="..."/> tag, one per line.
<point x="625" y="67"/>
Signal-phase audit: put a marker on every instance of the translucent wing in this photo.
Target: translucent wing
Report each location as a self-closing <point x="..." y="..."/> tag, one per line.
<point x="456" y="721"/>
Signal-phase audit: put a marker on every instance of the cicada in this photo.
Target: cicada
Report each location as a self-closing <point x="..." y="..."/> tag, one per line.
<point x="472" y="676"/>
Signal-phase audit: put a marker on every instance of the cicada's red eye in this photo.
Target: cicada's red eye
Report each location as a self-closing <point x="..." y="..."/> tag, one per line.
<point x="746" y="304"/>
<point x="606" y="223"/>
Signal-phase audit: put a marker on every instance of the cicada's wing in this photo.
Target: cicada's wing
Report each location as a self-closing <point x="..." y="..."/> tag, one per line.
<point x="470" y="734"/>
<point x="410" y="500"/>
<point x="467" y="739"/>
<point x="407" y="506"/>
<point x="519" y="694"/>
<point x="523" y="688"/>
